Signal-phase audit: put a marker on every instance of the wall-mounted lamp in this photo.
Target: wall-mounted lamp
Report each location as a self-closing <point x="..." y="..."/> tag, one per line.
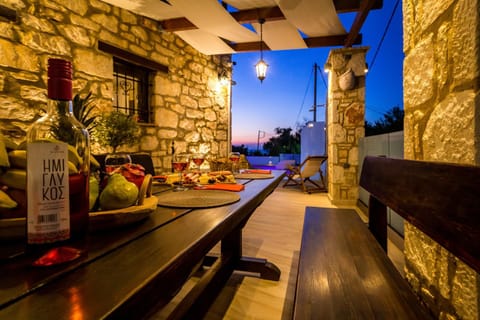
<point x="223" y="78"/>
<point x="261" y="66"/>
<point x="327" y="68"/>
<point x="366" y="68"/>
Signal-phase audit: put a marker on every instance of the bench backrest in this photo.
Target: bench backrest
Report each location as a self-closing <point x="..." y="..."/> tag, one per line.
<point x="440" y="199"/>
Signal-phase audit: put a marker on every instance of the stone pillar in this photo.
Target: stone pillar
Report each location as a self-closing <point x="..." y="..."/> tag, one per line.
<point x="345" y="122"/>
<point x="442" y="117"/>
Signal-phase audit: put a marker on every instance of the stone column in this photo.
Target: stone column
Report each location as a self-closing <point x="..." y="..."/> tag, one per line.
<point x="442" y="117"/>
<point x="345" y="122"/>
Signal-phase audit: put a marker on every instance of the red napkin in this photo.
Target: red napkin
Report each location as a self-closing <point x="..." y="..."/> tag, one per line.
<point x="261" y="171"/>
<point x="222" y="186"/>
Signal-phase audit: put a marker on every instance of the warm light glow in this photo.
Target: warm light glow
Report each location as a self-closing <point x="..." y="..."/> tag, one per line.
<point x="366" y="68"/>
<point x="223" y="78"/>
<point x="327" y="67"/>
<point x="261" y="68"/>
<point x="76" y="304"/>
<point x="224" y="81"/>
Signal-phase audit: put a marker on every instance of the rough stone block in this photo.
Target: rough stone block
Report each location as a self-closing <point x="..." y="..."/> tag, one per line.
<point x="419" y="71"/>
<point x="454" y="142"/>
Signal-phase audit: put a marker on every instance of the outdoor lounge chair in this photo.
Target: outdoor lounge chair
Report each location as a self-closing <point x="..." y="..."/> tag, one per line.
<point x="300" y="175"/>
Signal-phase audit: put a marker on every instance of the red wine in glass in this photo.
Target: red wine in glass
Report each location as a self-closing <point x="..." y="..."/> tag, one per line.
<point x="235" y="158"/>
<point x="179" y="166"/>
<point x="198" y="161"/>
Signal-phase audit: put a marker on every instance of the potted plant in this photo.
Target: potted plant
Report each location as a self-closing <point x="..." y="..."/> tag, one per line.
<point x="113" y="130"/>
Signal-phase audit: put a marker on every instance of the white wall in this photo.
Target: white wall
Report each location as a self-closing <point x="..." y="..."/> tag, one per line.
<point x="389" y="145"/>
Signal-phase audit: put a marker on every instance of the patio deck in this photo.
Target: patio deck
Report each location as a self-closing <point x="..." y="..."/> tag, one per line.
<point x="274" y="232"/>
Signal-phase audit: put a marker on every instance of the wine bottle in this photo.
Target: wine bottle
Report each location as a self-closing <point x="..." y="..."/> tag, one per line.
<point x="58" y="165"/>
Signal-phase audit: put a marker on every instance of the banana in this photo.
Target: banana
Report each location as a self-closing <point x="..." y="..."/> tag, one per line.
<point x="4" y="162"/>
<point x="94" y="164"/>
<point x="7" y="202"/>
<point x="14" y="178"/>
<point x="10" y="144"/>
<point x="22" y="145"/>
<point x="74" y="157"/>
<point x="72" y="168"/>
<point x="72" y="153"/>
<point x="18" y="158"/>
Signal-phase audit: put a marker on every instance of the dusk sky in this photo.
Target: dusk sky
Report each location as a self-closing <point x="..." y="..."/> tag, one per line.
<point x="286" y="95"/>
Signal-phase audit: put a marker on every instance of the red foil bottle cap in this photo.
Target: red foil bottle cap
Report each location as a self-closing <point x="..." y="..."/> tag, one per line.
<point x="59" y="79"/>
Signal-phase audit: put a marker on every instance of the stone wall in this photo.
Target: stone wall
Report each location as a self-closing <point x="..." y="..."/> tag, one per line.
<point x="190" y="105"/>
<point x="345" y="123"/>
<point x="441" y="102"/>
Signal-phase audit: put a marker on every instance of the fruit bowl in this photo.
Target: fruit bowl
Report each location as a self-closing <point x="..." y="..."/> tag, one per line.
<point x="14" y="228"/>
<point x="146" y="204"/>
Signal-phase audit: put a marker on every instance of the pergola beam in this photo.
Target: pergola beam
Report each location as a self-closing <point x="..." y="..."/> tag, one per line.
<point x="269" y="14"/>
<point x="346" y="6"/>
<point x="313" y="42"/>
<point x="362" y="7"/>
<point x="365" y="7"/>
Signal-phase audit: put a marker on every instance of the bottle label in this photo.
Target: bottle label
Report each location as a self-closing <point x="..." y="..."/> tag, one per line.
<point x="48" y="218"/>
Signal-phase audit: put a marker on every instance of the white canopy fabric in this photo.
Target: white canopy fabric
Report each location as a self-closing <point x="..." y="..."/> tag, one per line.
<point x="154" y="9"/>
<point x="213" y="30"/>
<point x="249" y="4"/>
<point x="281" y="35"/>
<point x="210" y="16"/>
<point x="313" y="17"/>
<point x="205" y="42"/>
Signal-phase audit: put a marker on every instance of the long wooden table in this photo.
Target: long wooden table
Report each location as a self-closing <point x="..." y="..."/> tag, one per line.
<point x="131" y="272"/>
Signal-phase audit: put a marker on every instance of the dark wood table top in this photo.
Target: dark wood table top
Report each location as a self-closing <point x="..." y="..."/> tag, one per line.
<point x="122" y="264"/>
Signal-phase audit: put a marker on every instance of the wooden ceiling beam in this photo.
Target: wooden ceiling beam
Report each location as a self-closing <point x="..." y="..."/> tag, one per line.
<point x="313" y="42"/>
<point x="253" y="15"/>
<point x="346" y="6"/>
<point x="177" y="24"/>
<point x="365" y="7"/>
<point x="331" y="41"/>
<point x="267" y="13"/>
<point x="248" y="46"/>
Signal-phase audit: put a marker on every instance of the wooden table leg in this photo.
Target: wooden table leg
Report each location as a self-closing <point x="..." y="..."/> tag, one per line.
<point x="266" y="270"/>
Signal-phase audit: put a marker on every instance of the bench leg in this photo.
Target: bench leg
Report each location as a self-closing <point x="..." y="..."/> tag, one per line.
<point x="377" y="221"/>
<point x="267" y="270"/>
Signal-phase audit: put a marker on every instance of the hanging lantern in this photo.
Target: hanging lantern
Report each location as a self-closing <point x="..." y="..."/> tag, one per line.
<point x="261" y="66"/>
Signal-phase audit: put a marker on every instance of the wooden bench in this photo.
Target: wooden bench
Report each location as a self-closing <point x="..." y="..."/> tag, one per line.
<point x="344" y="271"/>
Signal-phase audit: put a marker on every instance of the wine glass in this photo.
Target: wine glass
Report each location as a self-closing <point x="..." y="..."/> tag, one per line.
<point x="235" y="158"/>
<point x="179" y="164"/>
<point x="198" y="159"/>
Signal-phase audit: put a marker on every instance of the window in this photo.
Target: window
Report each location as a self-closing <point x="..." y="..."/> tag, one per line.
<point x="132" y="76"/>
<point x="130" y="90"/>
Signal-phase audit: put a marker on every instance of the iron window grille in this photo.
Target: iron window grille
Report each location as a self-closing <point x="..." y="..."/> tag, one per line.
<point x="131" y="90"/>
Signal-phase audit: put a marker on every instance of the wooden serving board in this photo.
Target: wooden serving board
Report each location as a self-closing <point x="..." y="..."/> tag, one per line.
<point x="108" y="219"/>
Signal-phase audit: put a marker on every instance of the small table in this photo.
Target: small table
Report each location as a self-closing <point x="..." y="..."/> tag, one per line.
<point x="128" y="273"/>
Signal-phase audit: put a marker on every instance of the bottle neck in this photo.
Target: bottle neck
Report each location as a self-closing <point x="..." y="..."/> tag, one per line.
<point x="59" y="79"/>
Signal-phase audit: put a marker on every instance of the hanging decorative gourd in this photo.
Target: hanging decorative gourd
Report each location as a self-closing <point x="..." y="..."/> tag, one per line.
<point x="346" y="81"/>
